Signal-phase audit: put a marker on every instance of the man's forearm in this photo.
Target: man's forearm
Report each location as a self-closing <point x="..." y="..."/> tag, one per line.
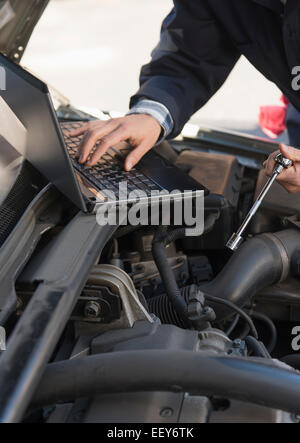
<point x="191" y="62"/>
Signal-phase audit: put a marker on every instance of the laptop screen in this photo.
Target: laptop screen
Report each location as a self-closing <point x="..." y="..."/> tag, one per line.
<point x="28" y="99"/>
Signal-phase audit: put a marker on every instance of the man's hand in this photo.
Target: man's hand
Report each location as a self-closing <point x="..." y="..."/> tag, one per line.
<point x="142" y="132"/>
<point x="289" y="178"/>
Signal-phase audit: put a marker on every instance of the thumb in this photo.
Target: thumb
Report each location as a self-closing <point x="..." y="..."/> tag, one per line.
<point x="290" y="153"/>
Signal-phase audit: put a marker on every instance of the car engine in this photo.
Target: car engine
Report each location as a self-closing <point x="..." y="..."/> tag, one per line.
<point x="141" y="324"/>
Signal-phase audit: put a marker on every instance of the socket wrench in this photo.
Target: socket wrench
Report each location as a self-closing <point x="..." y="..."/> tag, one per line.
<point x="236" y="239"/>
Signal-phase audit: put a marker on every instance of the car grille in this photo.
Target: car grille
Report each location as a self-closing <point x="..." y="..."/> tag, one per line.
<point x="27" y="186"/>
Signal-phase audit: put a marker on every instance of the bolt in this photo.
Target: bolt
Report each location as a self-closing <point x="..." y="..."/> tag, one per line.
<point x="92" y="309"/>
<point x="166" y="412"/>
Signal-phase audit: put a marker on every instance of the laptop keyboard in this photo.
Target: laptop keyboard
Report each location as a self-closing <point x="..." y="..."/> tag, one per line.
<point x="109" y="171"/>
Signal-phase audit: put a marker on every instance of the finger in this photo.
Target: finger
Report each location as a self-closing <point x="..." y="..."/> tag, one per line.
<point x="91" y="137"/>
<point x="89" y="126"/>
<point x="115" y="137"/>
<point x="80" y="131"/>
<point x="135" y="156"/>
<point x="290" y="176"/>
<point x="290" y="188"/>
<point x="270" y="164"/>
<point x="290" y="153"/>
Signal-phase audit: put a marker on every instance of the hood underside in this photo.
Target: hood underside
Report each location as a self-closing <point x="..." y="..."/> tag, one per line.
<point x="17" y="21"/>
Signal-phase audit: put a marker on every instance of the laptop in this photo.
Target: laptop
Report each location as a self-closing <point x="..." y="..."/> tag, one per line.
<point x="53" y="152"/>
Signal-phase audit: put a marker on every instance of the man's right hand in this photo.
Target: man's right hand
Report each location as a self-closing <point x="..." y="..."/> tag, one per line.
<point x="289" y="178"/>
<point x="140" y="130"/>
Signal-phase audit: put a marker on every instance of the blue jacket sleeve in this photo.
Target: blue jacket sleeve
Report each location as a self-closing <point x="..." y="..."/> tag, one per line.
<point x="191" y="62"/>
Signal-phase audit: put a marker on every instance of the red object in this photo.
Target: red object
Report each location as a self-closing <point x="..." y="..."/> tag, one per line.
<point x="272" y="119"/>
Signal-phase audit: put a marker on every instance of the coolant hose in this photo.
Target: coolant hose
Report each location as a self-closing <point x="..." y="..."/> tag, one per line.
<point x="261" y="261"/>
<point x="253" y="380"/>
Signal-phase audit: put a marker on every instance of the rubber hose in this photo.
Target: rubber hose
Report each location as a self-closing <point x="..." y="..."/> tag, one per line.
<point x="257" y="347"/>
<point x="161" y="239"/>
<point x="261" y="261"/>
<point x="252" y="380"/>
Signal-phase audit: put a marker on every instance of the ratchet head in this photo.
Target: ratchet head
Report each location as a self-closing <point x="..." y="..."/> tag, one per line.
<point x="282" y="161"/>
<point x="281" y="164"/>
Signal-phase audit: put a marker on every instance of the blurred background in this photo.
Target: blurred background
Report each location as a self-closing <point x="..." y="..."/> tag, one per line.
<point x="92" y="51"/>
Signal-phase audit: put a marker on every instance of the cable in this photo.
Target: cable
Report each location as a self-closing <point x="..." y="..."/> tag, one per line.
<point x="244" y="332"/>
<point x="233" y="325"/>
<point x="239" y="311"/>
<point x="272" y="328"/>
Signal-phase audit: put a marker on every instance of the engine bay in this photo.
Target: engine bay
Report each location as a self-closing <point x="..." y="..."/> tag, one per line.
<point x="148" y="298"/>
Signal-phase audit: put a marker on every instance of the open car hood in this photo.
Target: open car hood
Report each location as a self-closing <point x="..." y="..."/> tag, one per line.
<point x="17" y="21"/>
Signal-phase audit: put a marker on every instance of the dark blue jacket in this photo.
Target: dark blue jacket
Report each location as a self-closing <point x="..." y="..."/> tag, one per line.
<point x="202" y="40"/>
